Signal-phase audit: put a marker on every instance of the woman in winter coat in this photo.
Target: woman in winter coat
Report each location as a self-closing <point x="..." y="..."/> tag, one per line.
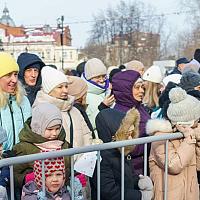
<point x="14" y="106"/>
<point x="183" y="161"/>
<point x="128" y="89"/>
<point x="30" y="66"/>
<point x="135" y="187"/>
<point x="97" y="99"/>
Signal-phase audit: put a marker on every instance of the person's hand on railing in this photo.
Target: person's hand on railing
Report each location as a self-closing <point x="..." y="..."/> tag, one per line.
<point x="146" y="187"/>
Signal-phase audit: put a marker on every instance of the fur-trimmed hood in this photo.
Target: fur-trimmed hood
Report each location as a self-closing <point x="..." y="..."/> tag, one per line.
<point x="158" y="125"/>
<point x="131" y="120"/>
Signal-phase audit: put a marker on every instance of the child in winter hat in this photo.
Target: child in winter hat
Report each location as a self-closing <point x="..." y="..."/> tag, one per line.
<point x="48" y="84"/>
<point x="42" y="132"/>
<point x="183" y="107"/>
<point x="54" y="171"/>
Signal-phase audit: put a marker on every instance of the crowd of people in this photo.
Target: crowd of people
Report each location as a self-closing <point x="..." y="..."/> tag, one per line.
<point x="43" y="109"/>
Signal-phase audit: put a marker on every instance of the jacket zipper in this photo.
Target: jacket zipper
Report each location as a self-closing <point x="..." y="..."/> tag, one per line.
<point x="12" y="117"/>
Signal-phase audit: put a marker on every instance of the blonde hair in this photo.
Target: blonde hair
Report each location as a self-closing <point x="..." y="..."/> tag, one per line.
<point x="151" y="97"/>
<point x="19" y="93"/>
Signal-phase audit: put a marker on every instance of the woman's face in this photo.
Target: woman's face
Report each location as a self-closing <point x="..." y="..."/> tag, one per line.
<point x="8" y="83"/>
<point x="138" y="91"/>
<point x="60" y="92"/>
<point x="100" y="80"/>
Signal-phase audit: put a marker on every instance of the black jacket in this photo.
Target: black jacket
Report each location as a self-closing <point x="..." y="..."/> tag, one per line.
<point x="110" y="178"/>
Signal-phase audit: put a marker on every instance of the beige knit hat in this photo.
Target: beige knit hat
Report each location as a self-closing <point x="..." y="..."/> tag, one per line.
<point x="134" y="65"/>
<point x="77" y="87"/>
<point x="183" y="107"/>
<point x="94" y="67"/>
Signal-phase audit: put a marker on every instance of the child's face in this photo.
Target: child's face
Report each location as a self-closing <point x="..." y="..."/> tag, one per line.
<point x="54" y="181"/>
<point x="52" y="132"/>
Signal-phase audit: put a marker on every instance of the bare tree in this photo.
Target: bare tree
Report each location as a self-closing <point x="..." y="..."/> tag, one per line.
<point x="125" y="32"/>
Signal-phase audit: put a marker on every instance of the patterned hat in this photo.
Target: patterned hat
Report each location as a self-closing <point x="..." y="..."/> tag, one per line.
<point x="50" y="165"/>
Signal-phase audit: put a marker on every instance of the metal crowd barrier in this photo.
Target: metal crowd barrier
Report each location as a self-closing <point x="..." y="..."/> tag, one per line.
<point x="73" y="151"/>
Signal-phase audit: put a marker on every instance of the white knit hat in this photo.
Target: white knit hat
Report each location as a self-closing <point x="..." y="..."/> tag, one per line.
<point x="153" y="74"/>
<point x="51" y="78"/>
<point x="183" y="107"/>
<point x="94" y="67"/>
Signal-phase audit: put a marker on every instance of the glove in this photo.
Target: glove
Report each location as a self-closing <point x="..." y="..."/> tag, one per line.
<point x="145" y="183"/>
<point x="146" y="195"/>
<point x="82" y="179"/>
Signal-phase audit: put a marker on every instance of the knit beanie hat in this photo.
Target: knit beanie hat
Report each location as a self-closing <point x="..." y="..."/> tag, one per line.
<point x="153" y="74"/>
<point x="183" y="107"/>
<point x="51" y="78"/>
<point x="94" y="67"/>
<point x="77" y="87"/>
<point x="7" y="64"/>
<point x="3" y="135"/>
<point x="190" y="80"/>
<point x="50" y="166"/>
<point x="45" y="115"/>
<point x="134" y="65"/>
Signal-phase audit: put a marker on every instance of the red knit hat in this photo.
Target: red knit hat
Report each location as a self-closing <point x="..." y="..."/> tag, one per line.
<point x="50" y="165"/>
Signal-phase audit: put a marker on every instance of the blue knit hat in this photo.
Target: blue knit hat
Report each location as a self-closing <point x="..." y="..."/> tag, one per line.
<point x="3" y="135"/>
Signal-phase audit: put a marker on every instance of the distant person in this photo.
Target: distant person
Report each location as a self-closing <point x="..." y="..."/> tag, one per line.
<point x="180" y="64"/>
<point x="80" y="68"/>
<point x="30" y="66"/>
<point x="135" y="65"/>
<point x="196" y="61"/>
<point x="15" y="107"/>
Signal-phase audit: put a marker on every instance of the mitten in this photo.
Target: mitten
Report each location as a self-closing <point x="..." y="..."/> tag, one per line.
<point x="145" y="183"/>
<point x="146" y="195"/>
<point x="82" y="179"/>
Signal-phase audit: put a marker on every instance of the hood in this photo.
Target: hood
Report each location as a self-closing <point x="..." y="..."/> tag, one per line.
<point x="131" y="120"/>
<point x="26" y="135"/>
<point x="122" y="84"/>
<point x="25" y="60"/>
<point x="158" y="125"/>
<point x="63" y="105"/>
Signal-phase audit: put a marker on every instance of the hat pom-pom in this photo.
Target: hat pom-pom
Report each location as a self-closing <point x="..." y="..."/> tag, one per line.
<point x="177" y="94"/>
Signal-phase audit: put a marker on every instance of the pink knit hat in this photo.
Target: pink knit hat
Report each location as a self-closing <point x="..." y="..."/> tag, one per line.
<point x="50" y="166"/>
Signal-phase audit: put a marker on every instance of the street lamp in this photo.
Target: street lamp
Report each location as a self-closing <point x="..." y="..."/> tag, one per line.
<point x="60" y="23"/>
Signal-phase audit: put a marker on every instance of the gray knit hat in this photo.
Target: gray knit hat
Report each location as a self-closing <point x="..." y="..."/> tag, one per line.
<point x="3" y="135"/>
<point x="183" y="107"/>
<point x="94" y="67"/>
<point x="45" y="115"/>
<point x="190" y="80"/>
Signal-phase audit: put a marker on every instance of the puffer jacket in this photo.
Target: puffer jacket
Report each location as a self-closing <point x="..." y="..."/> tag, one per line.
<point x="13" y="117"/>
<point x="182" y="168"/>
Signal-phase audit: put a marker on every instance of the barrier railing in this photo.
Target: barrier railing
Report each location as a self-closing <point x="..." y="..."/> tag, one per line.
<point x="73" y="151"/>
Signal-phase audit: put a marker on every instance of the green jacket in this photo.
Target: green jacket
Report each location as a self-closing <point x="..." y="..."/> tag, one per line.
<point x="26" y="146"/>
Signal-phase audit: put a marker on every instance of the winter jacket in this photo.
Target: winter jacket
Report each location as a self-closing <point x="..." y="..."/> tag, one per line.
<point x="122" y="84"/>
<point x="110" y="170"/>
<point x="81" y="133"/>
<point x="182" y="174"/>
<point x="30" y="192"/>
<point x="95" y="95"/>
<point x="26" y="146"/>
<point x="13" y="117"/>
<point x="26" y="60"/>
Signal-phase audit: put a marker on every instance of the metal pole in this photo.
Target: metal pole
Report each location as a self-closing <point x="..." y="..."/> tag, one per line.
<point x="62" y="42"/>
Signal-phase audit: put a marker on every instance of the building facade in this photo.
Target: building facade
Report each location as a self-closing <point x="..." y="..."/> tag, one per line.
<point x="52" y="44"/>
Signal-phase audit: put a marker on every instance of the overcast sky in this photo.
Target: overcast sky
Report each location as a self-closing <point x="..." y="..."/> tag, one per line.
<point x="33" y="12"/>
